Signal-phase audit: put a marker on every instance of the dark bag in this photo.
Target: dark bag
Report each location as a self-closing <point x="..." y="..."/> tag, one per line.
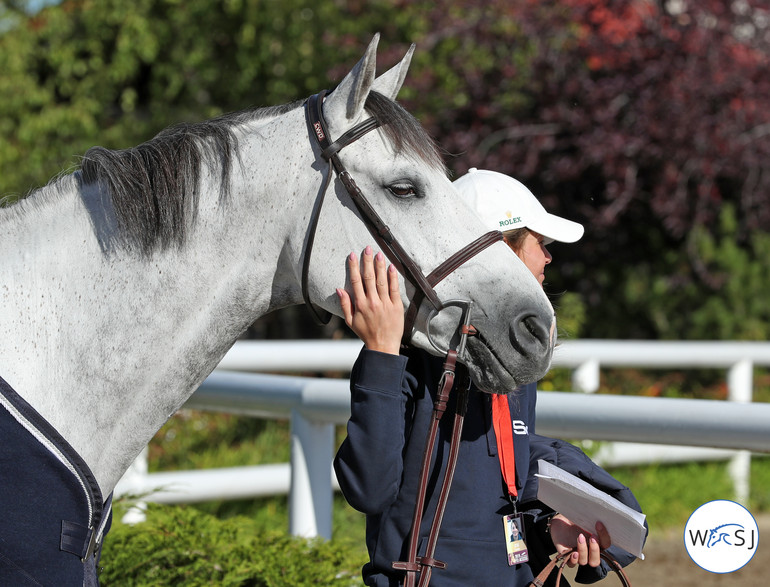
<point x="560" y="560"/>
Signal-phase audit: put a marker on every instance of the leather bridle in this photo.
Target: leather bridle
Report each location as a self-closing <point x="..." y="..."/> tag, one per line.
<point x="424" y="290"/>
<point x="391" y="248"/>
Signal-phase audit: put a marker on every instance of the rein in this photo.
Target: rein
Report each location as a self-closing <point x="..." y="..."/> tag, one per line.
<point x="425" y="564"/>
<point x="560" y="560"/>
<point x="425" y="291"/>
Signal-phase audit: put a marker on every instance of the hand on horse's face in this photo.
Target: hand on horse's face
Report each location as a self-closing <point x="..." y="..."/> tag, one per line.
<point x="376" y="312"/>
<point x="566" y="535"/>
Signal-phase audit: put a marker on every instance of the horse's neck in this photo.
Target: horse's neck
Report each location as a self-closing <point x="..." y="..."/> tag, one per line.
<point x="108" y="345"/>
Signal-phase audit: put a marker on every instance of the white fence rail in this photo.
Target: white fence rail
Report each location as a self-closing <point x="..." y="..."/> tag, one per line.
<point x="316" y="405"/>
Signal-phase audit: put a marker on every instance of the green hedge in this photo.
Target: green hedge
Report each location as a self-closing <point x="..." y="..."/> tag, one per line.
<point x="180" y="545"/>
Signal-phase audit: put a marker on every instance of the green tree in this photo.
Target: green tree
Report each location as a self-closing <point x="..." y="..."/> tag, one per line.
<point x="107" y="72"/>
<point x="640" y="119"/>
<point x="725" y="265"/>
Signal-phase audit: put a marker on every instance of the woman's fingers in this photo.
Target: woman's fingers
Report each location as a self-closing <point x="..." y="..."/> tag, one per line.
<point x="587" y="547"/>
<point x="587" y="552"/>
<point x="368" y="273"/>
<point x="356" y="283"/>
<point x="381" y="276"/>
<point x="393" y="288"/>
<point x="369" y="278"/>
<point x="373" y="279"/>
<point x="346" y="305"/>
<point x="372" y="308"/>
<point x="580" y="555"/>
<point x="594" y="552"/>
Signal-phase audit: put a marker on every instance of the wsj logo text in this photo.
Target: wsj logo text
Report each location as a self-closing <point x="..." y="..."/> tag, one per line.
<point x="734" y="535"/>
<point x="721" y="536"/>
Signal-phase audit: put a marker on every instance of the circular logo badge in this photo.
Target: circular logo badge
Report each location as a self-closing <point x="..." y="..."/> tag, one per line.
<point x="721" y="536"/>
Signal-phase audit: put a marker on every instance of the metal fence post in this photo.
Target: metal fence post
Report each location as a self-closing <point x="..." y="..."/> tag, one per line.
<point x="586" y="377"/>
<point x="739" y="389"/>
<point x="310" y="493"/>
<point x="136" y="476"/>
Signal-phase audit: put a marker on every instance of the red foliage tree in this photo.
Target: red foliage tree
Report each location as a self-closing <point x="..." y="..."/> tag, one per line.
<point x="640" y="118"/>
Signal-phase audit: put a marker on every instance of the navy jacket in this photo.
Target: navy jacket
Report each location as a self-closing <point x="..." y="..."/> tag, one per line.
<point x="378" y="467"/>
<point x="51" y="503"/>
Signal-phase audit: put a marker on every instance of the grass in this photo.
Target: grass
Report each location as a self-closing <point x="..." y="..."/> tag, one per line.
<point x="179" y="545"/>
<point x="202" y="440"/>
<point x="669" y="493"/>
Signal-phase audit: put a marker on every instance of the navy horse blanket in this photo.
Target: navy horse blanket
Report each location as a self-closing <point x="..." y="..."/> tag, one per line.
<point x="53" y="515"/>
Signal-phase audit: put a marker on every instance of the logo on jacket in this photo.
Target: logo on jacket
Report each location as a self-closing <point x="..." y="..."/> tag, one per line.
<point x="520" y="427"/>
<point x="721" y="536"/>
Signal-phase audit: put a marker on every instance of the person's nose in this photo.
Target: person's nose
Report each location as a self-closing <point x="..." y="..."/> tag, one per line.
<point x="548" y="256"/>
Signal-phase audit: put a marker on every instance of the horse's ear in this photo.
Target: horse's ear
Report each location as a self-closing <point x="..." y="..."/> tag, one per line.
<point x="348" y="98"/>
<point x="390" y="82"/>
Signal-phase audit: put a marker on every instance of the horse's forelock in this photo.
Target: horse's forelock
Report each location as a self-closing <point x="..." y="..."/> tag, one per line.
<point x="403" y="130"/>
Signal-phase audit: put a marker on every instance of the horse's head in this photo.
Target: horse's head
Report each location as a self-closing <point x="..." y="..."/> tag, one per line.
<point x="719" y="534"/>
<point x="400" y="174"/>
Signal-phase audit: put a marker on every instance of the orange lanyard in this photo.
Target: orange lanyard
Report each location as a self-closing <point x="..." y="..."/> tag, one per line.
<point x="501" y="420"/>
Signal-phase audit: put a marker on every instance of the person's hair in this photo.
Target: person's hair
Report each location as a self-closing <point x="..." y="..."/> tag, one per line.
<point x="515" y="238"/>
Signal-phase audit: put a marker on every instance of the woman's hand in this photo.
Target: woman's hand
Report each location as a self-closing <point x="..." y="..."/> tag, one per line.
<point x="375" y="312"/>
<point x="566" y="535"/>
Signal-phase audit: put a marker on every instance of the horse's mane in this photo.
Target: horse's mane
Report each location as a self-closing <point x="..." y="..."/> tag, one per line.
<point x="155" y="186"/>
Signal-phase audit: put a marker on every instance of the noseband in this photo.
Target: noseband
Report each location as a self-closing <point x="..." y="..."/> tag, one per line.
<point x="382" y="234"/>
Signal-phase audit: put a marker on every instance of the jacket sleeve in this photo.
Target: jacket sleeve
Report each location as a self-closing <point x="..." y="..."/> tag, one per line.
<point x="369" y="463"/>
<point x="575" y="461"/>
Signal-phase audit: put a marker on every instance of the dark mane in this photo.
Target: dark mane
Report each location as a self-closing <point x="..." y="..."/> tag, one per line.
<point x="155" y="186"/>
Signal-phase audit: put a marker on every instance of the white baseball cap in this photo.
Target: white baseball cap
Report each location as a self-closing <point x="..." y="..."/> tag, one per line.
<point x="506" y="204"/>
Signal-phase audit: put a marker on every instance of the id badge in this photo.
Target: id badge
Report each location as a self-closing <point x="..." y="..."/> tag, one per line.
<point x="514" y="539"/>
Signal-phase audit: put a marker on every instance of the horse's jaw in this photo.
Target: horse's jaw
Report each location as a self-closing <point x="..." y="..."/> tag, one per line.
<point x="498" y="366"/>
<point x="512" y="337"/>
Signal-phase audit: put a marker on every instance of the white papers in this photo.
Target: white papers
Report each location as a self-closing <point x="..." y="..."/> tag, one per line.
<point x="584" y="505"/>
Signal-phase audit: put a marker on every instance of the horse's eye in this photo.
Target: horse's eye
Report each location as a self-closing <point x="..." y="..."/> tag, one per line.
<point x="403" y="190"/>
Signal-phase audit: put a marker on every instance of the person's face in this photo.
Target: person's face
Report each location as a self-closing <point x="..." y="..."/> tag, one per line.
<point x="534" y="253"/>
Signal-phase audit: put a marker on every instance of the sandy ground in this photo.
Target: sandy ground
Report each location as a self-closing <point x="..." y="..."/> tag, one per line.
<point x="667" y="564"/>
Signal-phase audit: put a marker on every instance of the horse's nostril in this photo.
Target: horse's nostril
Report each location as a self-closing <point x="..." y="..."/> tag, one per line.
<point x="529" y="335"/>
